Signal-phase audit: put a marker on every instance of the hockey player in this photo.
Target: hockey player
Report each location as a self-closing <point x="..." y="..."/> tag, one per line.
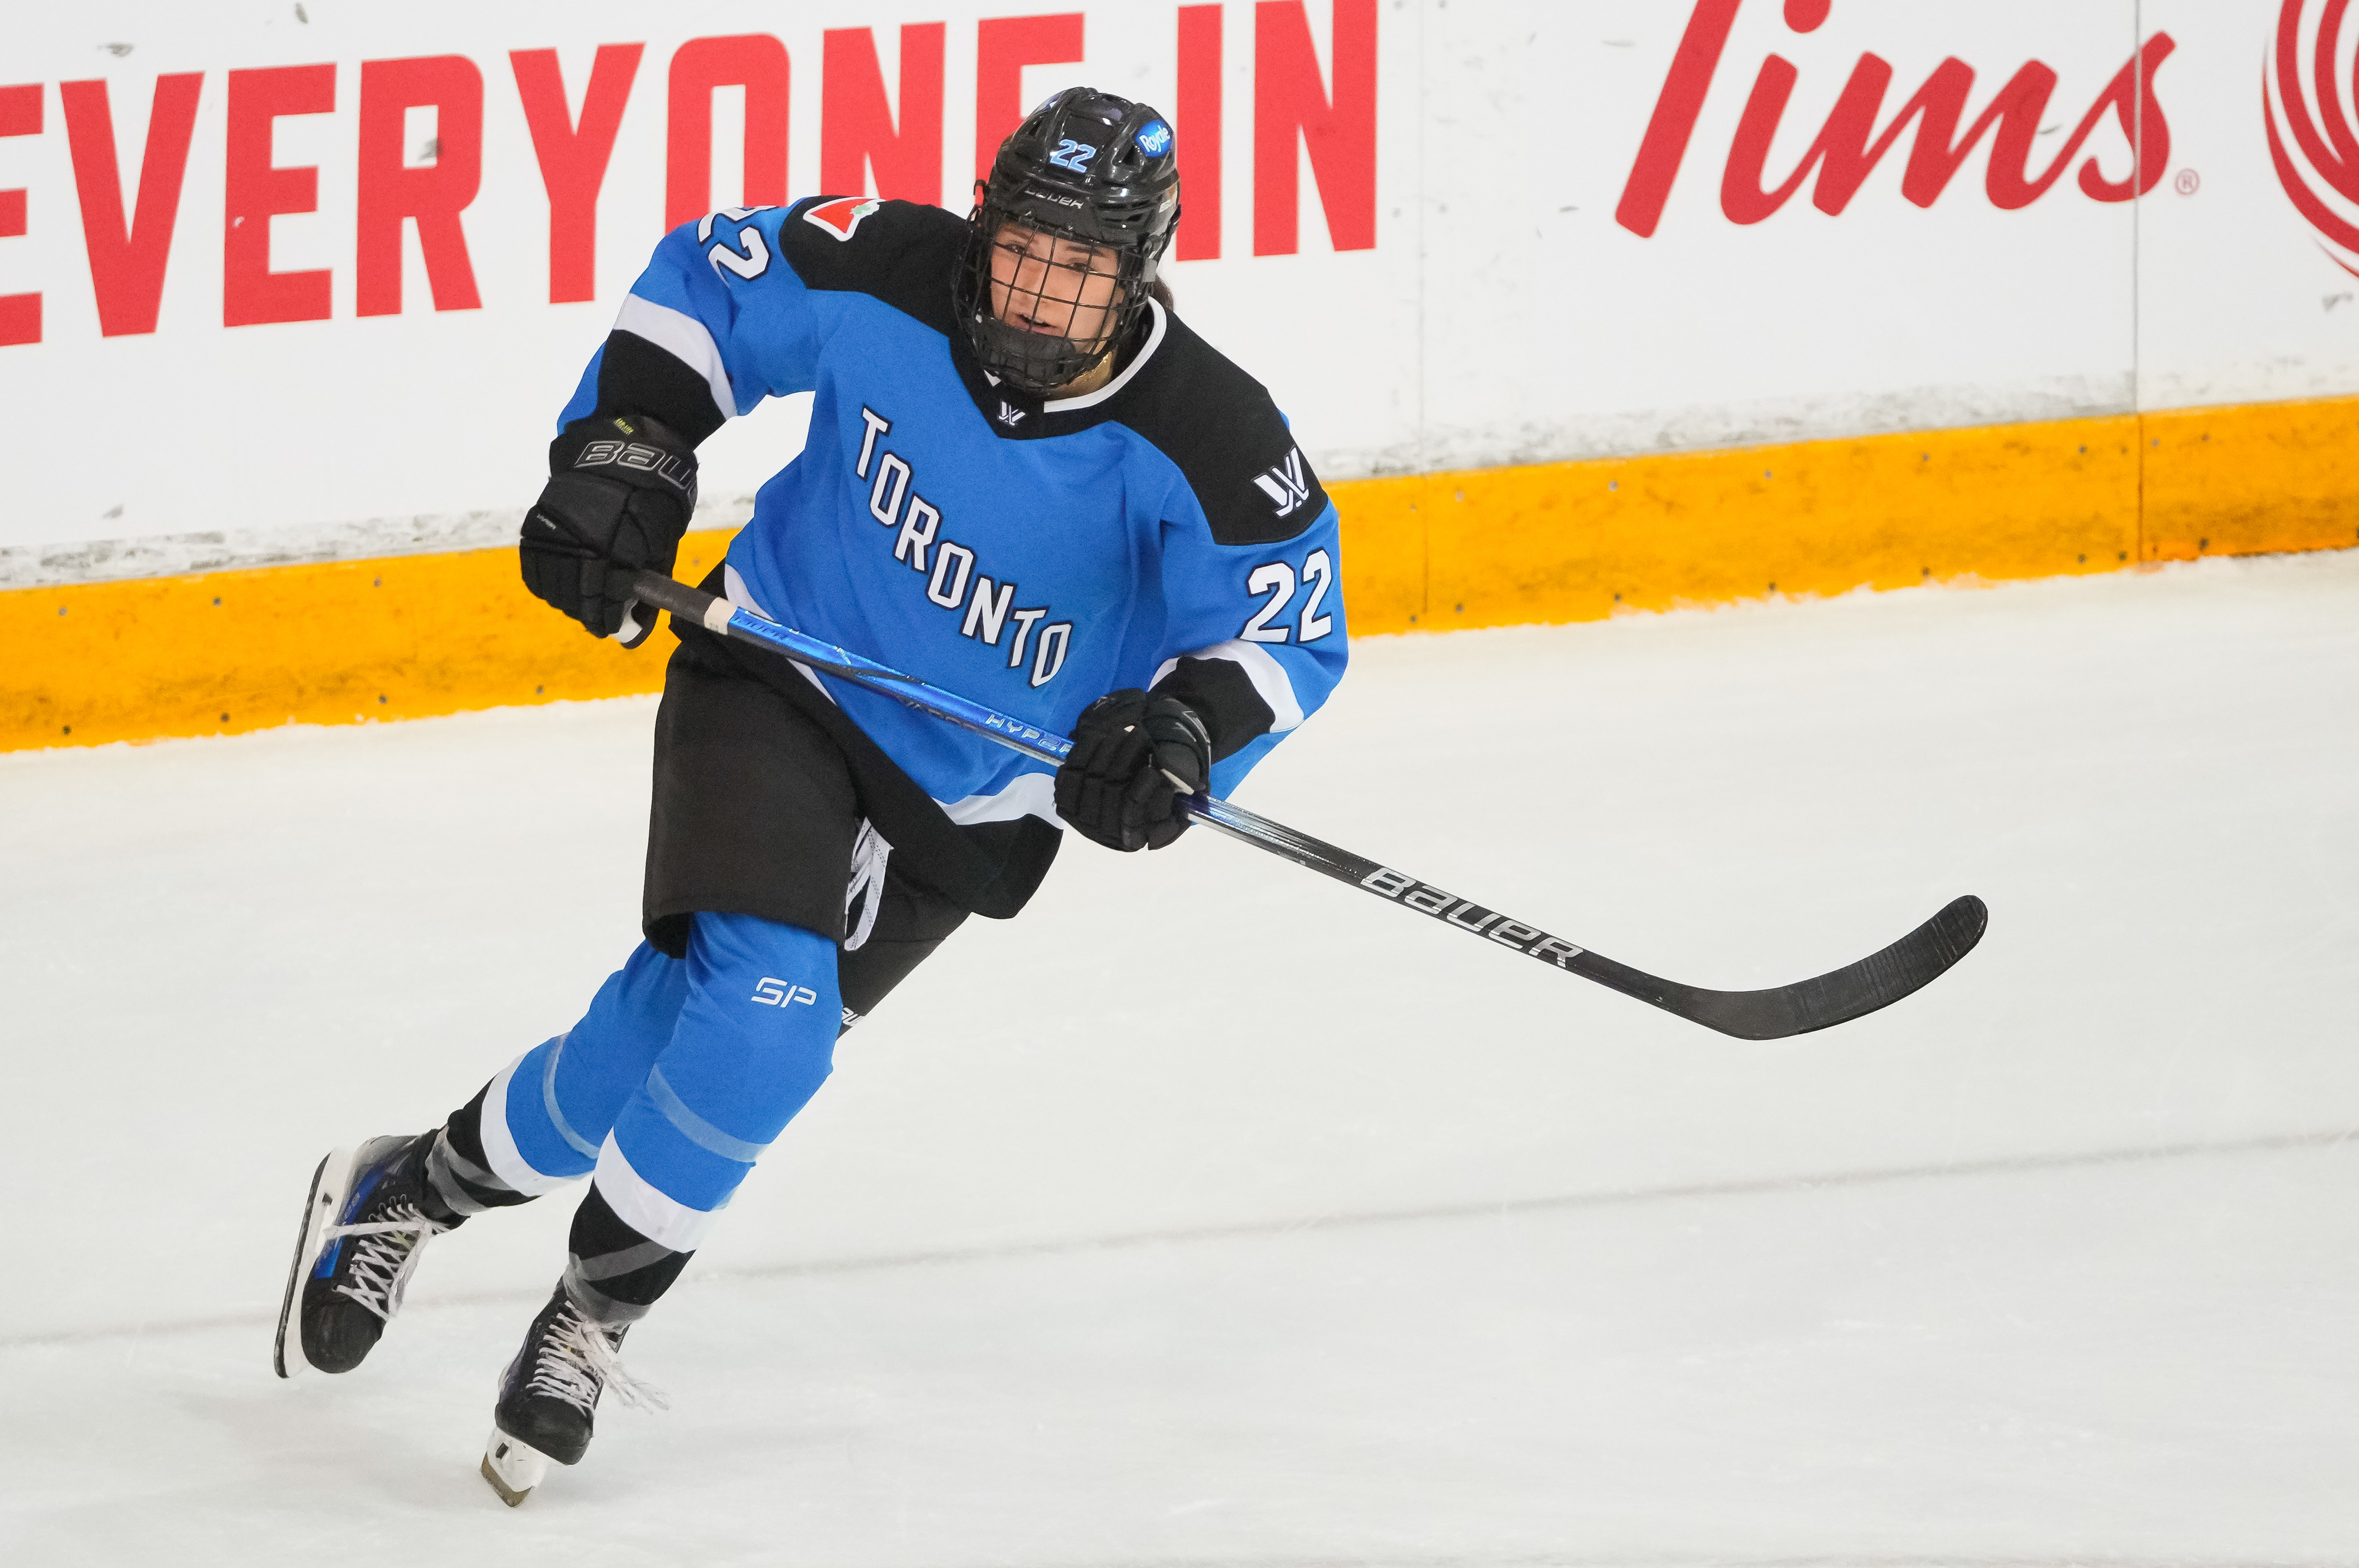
<point x="1025" y="479"/>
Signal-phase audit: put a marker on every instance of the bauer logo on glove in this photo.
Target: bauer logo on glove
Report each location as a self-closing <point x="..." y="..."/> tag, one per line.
<point x="612" y="506"/>
<point x="631" y="455"/>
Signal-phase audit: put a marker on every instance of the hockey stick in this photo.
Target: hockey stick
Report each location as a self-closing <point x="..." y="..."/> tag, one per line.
<point x="1876" y="981"/>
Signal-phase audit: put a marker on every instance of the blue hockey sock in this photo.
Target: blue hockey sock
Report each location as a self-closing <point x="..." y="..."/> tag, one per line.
<point x="753" y="1040"/>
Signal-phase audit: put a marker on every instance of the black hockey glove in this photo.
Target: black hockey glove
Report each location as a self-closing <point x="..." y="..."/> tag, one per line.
<point x="1133" y="757"/>
<point x="621" y="490"/>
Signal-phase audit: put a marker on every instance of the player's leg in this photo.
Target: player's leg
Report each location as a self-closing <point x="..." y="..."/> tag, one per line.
<point x="754" y="810"/>
<point x="534" y="1127"/>
<point x="911" y="921"/>
<point x="755" y="1039"/>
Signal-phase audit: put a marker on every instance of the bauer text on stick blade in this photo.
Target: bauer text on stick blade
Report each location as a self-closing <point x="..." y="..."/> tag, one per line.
<point x="1837" y="996"/>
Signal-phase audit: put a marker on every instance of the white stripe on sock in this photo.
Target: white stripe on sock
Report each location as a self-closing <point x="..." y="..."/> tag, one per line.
<point x="499" y="1139"/>
<point x="656" y="1216"/>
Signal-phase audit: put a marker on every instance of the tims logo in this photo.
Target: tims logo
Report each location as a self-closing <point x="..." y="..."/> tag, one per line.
<point x="2314" y="126"/>
<point x="1859" y="131"/>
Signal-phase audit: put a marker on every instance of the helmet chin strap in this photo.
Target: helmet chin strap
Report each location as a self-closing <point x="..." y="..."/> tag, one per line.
<point x="1090" y="380"/>
<point x="1031" y="361"/>
<point x="1094" y="372"/>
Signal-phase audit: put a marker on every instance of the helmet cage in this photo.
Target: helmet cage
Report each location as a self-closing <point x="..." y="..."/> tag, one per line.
<point x="1039" y="361"/>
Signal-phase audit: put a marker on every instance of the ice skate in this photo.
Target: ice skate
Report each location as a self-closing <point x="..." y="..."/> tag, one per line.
<point x="362" y="1230"/>
<point x="549" y="1397"/>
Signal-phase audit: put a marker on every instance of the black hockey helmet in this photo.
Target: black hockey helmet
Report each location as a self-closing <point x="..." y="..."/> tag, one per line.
<point x="1088" y="167"/>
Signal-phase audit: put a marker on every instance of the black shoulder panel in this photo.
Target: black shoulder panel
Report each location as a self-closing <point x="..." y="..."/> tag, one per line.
<point x="1220" y="427"/>
<point x="903" y="253"/>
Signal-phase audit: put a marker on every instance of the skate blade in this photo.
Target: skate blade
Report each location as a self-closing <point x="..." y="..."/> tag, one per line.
<point x="331" y="1182"/>
<point x="513" y="1467"/>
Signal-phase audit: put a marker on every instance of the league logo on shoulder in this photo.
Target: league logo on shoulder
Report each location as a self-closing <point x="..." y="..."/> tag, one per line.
<point x="1285" y="485"/>
<point x="842" y="215"/>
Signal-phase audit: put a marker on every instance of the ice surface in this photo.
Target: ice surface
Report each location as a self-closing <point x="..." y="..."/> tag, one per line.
<point x="1394" y="1249"/>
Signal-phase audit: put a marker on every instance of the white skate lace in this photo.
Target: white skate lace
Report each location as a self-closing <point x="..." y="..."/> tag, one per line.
<point x="381" y="1263"/>
<point x="576" y="1360"/>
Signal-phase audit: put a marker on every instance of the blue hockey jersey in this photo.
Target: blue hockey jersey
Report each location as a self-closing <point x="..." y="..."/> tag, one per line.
<point x="1033" y="555"/>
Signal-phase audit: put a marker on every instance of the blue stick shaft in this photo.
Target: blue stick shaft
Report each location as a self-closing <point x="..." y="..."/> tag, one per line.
<point x="724" y="619"/>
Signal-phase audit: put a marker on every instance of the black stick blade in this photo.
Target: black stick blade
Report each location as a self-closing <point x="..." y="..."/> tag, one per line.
<point x="1876" y="981"/>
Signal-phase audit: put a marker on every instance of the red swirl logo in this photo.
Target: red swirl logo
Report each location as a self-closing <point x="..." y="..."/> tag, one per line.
<point x="2313" y="127"/>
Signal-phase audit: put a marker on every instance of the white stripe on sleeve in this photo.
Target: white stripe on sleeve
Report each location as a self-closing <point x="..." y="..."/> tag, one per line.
<point x="1268" y="675"/>
<point x="683" y="337"/>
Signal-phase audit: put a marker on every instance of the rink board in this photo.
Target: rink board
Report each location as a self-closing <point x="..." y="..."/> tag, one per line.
<point x="343" y="642"/>
<point x="1445" y="237"/>
<point x="1555" y="298"/>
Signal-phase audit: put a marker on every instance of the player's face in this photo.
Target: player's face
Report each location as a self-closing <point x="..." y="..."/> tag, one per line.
<point x="1058" y="287"/>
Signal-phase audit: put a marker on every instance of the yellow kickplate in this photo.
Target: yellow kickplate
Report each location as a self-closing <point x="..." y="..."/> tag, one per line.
<point x="2252" y="479"/>
<point x="340" y="642"/>
<point x="1573" y="541"/>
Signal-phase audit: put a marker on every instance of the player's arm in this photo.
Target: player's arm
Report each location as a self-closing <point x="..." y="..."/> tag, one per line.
<point x="1255" y="644"/>
<point x="1258" y="632"/>
<point x="718" y="321"/>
